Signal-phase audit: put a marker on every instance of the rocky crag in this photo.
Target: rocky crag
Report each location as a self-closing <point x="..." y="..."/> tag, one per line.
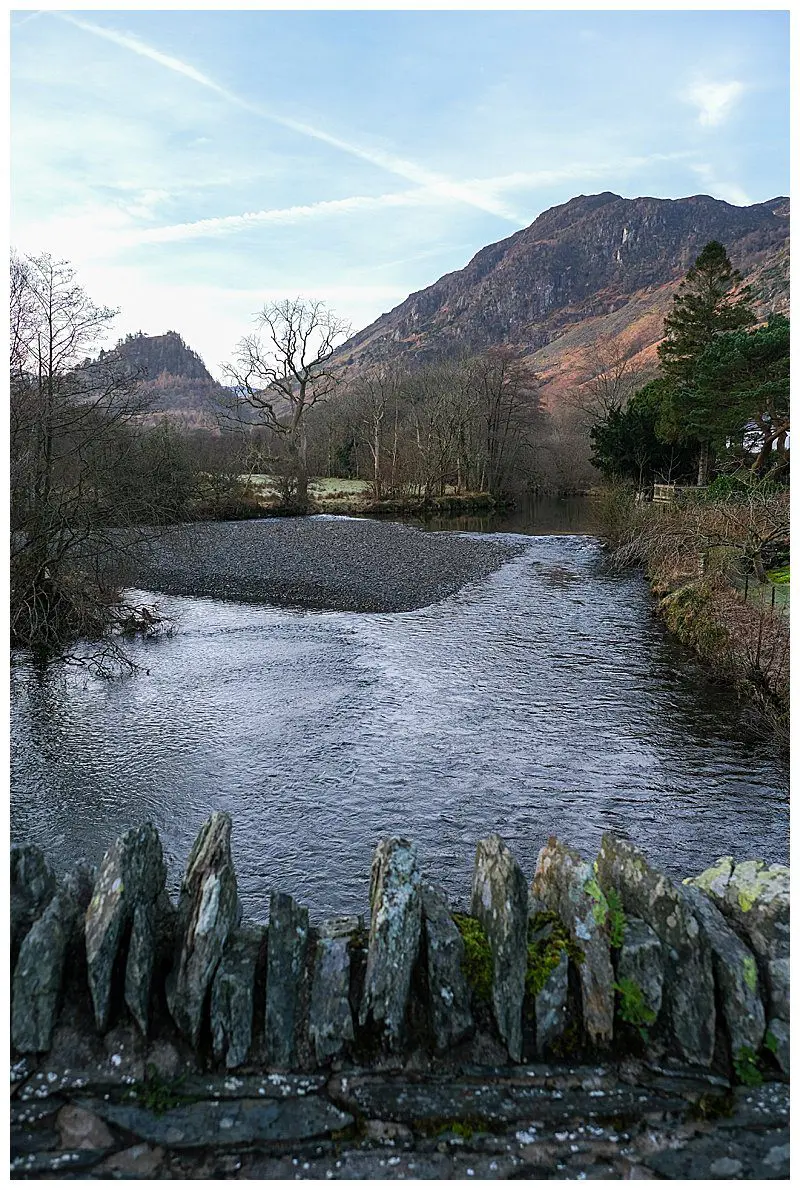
<point x="599" y="267"/>
<point x="597" y="1021"/>
<point x="172" y="376"/>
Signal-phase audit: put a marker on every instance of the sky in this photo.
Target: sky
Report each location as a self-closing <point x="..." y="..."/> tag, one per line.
<point x="193" y="165"/>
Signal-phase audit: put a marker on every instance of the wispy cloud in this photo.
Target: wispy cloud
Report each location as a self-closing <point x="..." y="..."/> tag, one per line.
<point x="282" y="215"/>
<point x="713" y="100"/>
<point x="391" y="162"/>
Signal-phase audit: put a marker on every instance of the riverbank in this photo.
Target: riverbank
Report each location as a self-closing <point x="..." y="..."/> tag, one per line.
<point x="337" y="564"/>
<point x="706" y="559"/>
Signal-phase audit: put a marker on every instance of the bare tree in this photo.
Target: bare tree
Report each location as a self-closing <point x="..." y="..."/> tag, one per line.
<point x="283" y="370"/>
<point x="68" y="442"/>
<point x="376" y="396"/>
<point x="608" y="375"/>
<point x="505" y="403"/>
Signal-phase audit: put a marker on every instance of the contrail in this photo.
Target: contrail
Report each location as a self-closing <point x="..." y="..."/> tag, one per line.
<point x="446" y="187"/>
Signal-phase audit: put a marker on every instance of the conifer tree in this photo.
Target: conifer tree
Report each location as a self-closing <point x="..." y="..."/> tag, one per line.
<point x="709" y="303"/>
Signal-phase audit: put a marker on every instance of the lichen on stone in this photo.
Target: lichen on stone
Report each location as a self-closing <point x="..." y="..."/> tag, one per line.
<point x="750" y="973"/>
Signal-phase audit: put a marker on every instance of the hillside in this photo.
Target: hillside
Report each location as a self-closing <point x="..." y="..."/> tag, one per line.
<point x="175" y="376"/>
<point x="598" y="266"/>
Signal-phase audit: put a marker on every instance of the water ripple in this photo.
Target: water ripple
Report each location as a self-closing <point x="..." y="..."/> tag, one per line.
<point x="544" y="699"/>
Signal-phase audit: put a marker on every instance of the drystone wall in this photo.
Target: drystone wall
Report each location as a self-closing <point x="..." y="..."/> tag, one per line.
<point x="605" y="960"/>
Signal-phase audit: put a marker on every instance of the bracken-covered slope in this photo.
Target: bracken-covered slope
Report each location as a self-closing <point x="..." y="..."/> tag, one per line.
<point x="599" y="266"/>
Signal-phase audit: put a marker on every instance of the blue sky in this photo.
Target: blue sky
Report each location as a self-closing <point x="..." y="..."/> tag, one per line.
<point x="194" y="164"/>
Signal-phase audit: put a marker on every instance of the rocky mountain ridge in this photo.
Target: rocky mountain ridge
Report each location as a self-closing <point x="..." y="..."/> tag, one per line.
<point x="598" y="266"/>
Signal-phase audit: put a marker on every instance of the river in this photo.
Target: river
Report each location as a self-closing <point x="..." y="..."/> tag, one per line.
<point x="544" y="699"/>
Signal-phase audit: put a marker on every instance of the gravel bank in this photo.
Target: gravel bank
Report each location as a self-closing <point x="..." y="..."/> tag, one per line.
<point x="319" y="562"/>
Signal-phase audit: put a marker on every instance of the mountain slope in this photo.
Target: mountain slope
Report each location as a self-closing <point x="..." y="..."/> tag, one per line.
<point x="175" y="376"/>
<point x="598" y="266"/>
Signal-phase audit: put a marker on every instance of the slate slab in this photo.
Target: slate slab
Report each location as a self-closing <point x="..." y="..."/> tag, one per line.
<point x="394" y="936"/>
<point x="690" y="1018"/>
<point x="450" y="1012"/>
<point x="565" y="883"/>
<point x="330" y="1019"/>
<point x="218" y="1123"/>
<point x="233" y="997"/>
<point x="36" y="985"/>
<point x="286" y="956"/>
<point x="736" y="974"/>
<point x="131" y="872"/>
<point x="208" y="909"/>
<point x="500" y="903"/>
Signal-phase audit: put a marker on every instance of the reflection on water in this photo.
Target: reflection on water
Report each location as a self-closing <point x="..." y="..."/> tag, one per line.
<point x="545" y="699"/>
<point x="532" y="515"/>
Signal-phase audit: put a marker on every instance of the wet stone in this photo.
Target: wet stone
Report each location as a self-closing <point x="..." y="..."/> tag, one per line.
<point x="131" y="872"/>
<point x="736" y="974"/>
<point x="221" y="1123"/>
<point x="565" y="883"/>
<point x="232" y="997"/>
<point x="36" y="986"/>
<point x="82" y="1129"/>
<point x="139" y="966"/>
<point x="207" y="912"/>
<point x="330" y="1020"/>
<point x="500" y="903"/>
<point x="778" y="1035"/>
<point x="778" y="987"/>
<point x="395" y="927"/>
<point x="286" y="955"/>
<point x="451" y="1016"/>
<point x="550" y="1006"/>
<point x="688" y="982"/>
<point x="755" y="897"/>
<point x="32" y="887"/>
<point x="641" y="960"/>
<point x="139" y="1161"/>
<point x="494" y="1101"/>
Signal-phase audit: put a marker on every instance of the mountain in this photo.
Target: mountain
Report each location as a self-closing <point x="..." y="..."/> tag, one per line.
<point x="597" y="267"/>
<point x="180" y="385"/>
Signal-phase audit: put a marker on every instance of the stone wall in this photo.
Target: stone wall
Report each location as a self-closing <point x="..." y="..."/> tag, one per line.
<point x="590" y="958"/>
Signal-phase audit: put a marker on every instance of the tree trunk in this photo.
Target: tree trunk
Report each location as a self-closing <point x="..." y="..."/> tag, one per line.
<point x="702" y="464"/>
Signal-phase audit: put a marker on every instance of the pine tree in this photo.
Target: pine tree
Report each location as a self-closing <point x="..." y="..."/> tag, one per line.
<point x="709" y="303"/>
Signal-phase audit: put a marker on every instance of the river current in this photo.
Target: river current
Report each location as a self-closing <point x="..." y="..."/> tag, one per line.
<point x="543" y="700"/>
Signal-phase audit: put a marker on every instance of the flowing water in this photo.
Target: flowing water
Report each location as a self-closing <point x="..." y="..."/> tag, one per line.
<point x="543" y="700"/>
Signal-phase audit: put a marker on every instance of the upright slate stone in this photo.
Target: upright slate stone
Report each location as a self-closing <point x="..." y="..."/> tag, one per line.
<point x="286" y="956"/>
<point x="641" y="959"/>
<point x="550" y="1006"/>
<point x="450" y="1012"/>
<point x="36" y="985"/>
<point x="565" y="883"/>
<point x="689" y="982"/>
<point x="232" y="997"/>
<point x="394" y="935"/>
<point x="140" y="962"/>
<point x="756" y="899"/>
<point x="32" y="887"/>
<point x="208" y="910"/>
<point x="330" y="1019"/>
<point x="736" y="974"/>
<point x="500" y="903"/>
<point x="132" y="872"/>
